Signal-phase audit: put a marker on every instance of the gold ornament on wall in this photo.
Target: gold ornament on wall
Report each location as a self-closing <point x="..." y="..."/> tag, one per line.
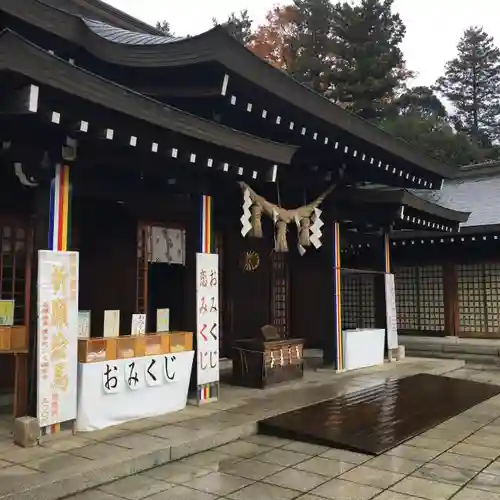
<point x="249" y="260"/>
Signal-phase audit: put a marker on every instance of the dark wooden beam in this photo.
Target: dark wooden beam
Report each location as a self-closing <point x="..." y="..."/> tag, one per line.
<point x="162" y="92"/>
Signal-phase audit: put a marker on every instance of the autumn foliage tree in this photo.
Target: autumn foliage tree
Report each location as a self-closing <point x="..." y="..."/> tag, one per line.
<point x="275" y="40"/>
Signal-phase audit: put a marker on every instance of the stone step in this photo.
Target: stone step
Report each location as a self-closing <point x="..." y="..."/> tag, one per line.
<point x="482" y="351"/>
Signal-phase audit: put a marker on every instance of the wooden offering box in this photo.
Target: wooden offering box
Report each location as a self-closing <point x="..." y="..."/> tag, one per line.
<point x="14" y="339"/>
<point x="97" y="349"/>
<point x="181" y="341"/>
<point x="268" y="360"/>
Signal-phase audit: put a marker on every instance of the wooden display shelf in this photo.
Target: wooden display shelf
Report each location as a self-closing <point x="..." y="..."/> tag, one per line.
<point x="97" y="349"/>
<point x="14" y="339"/>
<point x="130" y="346"/>
<point x="181" y="341"/>
<point x="155" y="344"/>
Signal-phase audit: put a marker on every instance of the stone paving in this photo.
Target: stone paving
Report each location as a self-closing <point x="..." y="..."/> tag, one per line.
<point x="459" y="460"/>
<point x="66" y="466"/>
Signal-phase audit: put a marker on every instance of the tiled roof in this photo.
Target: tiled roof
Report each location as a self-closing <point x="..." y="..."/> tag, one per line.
<point x="119" y="35"/>
<point x="477" y="190"/>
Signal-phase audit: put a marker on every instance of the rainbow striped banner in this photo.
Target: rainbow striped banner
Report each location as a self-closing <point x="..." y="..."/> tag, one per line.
<point x="208" y="392"/>
<point x="337" y="298"/>
<point x="60" y="210"/>
<point x="59" y="237"/>
<point x="206" y="226"/>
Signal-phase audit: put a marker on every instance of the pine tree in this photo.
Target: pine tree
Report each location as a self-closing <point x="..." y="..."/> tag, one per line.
<point x="164" y="27"/>
<point x="240" y="24"/>
<point x="369" y="65"/>
<point x="472" y="84"/>
<point x="312" y="43"/>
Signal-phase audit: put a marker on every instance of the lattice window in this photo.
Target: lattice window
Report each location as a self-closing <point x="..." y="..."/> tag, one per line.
<point x="406" y="284"/>
<point x="492" y="295"/>
<point x="280" y="296"/>
<point x="358" y="301"/>
<point x="431" y="295"/>
<point x="13" y="260"/>
<point x="420" y="298"/>
<point x="471" y="298"/>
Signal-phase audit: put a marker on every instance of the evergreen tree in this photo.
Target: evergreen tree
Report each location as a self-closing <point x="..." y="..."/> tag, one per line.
<point x="369" y="65"/>
<point x="419" y="101"/>
<point x="164" y="27"/>
<point x="241" y="26"/>
<point x="419" y="117"/>
<point x="312" y="43"/>
<point x="472" y="83"/>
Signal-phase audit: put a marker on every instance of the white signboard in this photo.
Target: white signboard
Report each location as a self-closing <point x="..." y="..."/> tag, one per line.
<point x="111" y="324"/>
<point x="57" y="336"/>
<point x="390" y="310"/>
<point x="138" y="324"/>
<point x="114" y="392"/>
<point x="84" y="324"/>
<point x="207" y="300"/>
<point x="163" y="320"/>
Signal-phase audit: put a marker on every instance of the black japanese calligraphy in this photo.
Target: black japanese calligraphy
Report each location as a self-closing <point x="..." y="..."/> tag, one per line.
<point x="152" y="372"/>
<point x="110" y="378"/>
<point x="213" y="278"/>
<point x="132" y="375"/>
<point x="149" y="370"/>
<point x="213" y="305"/>
<point x="169" y="368"/>
<point x="214" y="358"/>
<point x="213" y="331"/>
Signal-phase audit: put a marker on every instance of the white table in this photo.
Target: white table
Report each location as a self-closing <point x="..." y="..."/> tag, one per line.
<point x="363" y="348"/>
<point x="106" y="399"/>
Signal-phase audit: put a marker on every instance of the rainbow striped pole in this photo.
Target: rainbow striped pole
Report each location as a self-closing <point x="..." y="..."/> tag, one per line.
<point x="337" y="299"/>
<point x="59" y="237"/>
<point x="60" y="210"/>
<point x="206" y="227"/>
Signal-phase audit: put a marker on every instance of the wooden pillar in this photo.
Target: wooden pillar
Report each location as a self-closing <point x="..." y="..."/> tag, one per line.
<point x="387" y="253"/>
<point x="450" y="290"/>
<point x="333" y="353"/>
<point x="40" y="236"/>
<point x="380" y="299"/>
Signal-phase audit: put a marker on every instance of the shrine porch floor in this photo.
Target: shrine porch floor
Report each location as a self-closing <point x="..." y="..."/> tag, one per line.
<point x="65" y="466"/>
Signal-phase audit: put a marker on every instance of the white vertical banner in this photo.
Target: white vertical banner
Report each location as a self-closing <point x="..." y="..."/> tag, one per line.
<point x="390" y="311"/>
<point x="207" y="303"/>
<point x="57" y="336"/>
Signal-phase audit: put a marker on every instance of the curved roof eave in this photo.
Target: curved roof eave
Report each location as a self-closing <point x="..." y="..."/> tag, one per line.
<point x="103" y="11"/>
<point x="218" y="45"/>
<point x="406" y="198"/>
<point x="21" y="56"/>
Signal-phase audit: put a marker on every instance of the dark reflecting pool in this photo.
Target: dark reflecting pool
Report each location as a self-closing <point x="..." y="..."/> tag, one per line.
<point x="378" y="418"/>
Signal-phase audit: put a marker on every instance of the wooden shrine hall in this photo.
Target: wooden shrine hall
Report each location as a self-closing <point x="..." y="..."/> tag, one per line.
<point x="198" y="139"/>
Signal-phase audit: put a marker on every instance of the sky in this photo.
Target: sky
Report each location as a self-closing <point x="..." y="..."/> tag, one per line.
<point x="433" y="26"/>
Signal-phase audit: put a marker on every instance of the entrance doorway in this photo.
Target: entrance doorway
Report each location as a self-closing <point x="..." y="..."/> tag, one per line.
<point x="15" y="250"/>
<point x="161" y="274"/>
